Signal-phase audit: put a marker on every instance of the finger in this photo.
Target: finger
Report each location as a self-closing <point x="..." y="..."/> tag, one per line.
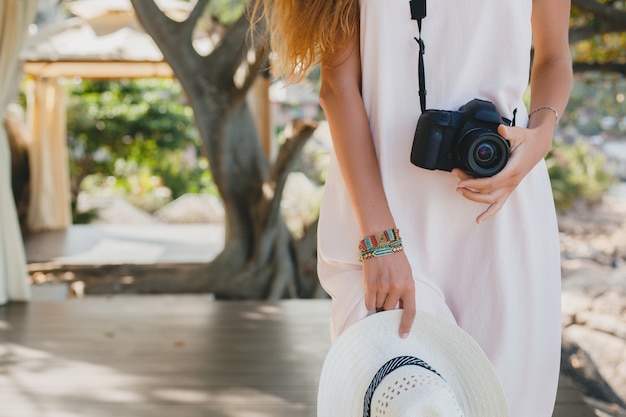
<point x="381" y="296"/>
<point x="493" y="209"/>
<point x="461" y="174"/>
<point x="370" y="290"/>
<point x="408" y="314"/>
<point x="391" y="301"/>
<point x="476" y="196"/>
<point x="504" y="131"/>
<point x="512" y="134"/>
<point x="370" y="299"/>
<point x="481" y="185"/>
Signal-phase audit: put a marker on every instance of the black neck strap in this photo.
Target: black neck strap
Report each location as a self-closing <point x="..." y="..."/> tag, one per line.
<point x="418" y="12"/>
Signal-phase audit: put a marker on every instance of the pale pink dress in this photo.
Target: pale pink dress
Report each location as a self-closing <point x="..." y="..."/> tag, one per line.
<point x="499" y="280"/>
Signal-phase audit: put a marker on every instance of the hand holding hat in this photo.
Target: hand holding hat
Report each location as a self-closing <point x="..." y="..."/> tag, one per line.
<point x="439" y="370"/>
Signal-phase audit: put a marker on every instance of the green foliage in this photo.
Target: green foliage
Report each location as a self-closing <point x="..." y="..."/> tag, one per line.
<point x="133" y="138"/>
<point x="602" y="47"/>
<point x="226" y="11"/>
<point x="597" y="105"/>
<point x="577" y="172"/>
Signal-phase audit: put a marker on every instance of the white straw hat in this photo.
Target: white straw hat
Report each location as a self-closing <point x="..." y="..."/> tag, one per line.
<point x="437" y="371"/>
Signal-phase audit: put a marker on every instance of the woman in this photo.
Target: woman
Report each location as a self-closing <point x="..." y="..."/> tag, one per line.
<point x="482" y="252"/>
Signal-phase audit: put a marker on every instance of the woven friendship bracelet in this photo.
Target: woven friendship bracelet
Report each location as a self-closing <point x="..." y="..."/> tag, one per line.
<point x="380" y="239"/>
<point x="555" y="111"/>
<point x="382" y="251"/>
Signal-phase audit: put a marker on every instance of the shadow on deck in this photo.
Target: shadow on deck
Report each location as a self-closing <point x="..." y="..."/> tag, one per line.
<point x="183" y="356"/>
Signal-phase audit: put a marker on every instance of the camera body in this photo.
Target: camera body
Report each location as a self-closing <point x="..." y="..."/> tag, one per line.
<point x="467" y="139"/>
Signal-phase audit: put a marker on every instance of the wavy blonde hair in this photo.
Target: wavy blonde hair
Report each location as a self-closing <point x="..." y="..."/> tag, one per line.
<point x="305" y="32"/>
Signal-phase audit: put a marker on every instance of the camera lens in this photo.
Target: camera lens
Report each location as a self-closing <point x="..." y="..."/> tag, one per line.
<point x="483" y="153"/>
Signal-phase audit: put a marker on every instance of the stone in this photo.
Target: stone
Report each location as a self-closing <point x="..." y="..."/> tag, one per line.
<point x="113" y="210"/>
<point x="192" y="208"/>
<point x="608" y="353"/>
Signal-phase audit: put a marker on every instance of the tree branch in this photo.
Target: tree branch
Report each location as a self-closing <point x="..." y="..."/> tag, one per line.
<point x="259" y="42"/>
<point x="190" y="23"/>
<point x="610" y="15"/>
<point x="301" y="131"/>
<point x="254" y="68"/>
<point x="230" y="53"/>
<point x="168" y="34"/>
<point x="582" y="33"/>
<point x="595" y="66"/>
<point x="596" y="28"/>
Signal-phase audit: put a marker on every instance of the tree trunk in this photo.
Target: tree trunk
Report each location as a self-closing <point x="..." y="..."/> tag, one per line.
<point x="20" y="168"/>
<point x="260" y="259"/>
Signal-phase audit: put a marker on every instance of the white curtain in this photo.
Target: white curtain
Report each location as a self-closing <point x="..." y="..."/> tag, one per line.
<point x="15" y="17"/>
<point x="50" y="198"/>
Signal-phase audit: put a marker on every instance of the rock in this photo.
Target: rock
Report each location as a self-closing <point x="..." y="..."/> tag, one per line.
<point x="606" y="351"/>
<point x="572" y="304"/>
<point x="113" y="210"/>
<point x="593" y="243"/>
<point x="580" y="367"/>
<point x="606" y="323"/>
<point x="192" y="208"/>
<point x="594" y="319"/>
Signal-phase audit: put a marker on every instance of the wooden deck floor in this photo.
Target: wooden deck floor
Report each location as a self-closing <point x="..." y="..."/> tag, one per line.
<point x="174" y="356"/>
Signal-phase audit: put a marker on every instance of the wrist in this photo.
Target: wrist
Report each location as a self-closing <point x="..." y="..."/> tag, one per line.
<point x="545" y="109"/>
<point x="376" y="222"/>
<point x="543" y="118"/>
<point x="542" y="138"/>
<point x="380" y="244"/>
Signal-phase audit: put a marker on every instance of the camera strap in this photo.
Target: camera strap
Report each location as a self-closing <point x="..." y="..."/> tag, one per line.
<point x="418" y="12"/>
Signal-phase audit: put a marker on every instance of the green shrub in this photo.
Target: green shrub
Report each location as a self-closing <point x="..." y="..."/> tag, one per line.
<point x="134" y="139"/>
<point x="577" y="172"/>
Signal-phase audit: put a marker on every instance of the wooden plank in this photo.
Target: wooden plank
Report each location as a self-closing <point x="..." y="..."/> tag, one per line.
<point x="181" y="355"/>
<point x="161" y="356"/>
<point x="569" y="402"/>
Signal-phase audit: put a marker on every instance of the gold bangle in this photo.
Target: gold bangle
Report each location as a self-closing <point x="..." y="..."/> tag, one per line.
<point x="555" y="111"/>
<point x="382" y="251"/>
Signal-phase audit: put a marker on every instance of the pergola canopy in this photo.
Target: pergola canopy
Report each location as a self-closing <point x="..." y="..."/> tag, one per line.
<point x="104" y="41"/>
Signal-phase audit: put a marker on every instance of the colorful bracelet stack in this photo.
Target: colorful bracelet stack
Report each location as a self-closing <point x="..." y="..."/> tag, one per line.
<point x="380" y="244"/>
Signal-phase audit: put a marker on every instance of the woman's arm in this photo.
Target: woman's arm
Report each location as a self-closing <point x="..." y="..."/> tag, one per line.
<point x="388" y="279"/>
<point x="550" y="86"/>
<point x="551" y="76"/>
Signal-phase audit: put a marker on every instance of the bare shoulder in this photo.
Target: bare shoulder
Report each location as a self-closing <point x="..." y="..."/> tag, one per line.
<point x="345" y="66"/>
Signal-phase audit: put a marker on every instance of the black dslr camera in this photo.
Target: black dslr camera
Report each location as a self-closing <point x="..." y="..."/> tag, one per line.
<point x="466" y="139"/>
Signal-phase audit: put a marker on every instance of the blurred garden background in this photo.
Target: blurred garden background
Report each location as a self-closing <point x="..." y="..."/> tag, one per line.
<point x="137" y="138"/>
<point x="169" y="116"/>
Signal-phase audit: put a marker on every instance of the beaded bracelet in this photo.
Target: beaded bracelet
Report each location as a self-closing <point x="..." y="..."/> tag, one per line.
<point x="555" y="111"/>
<point x="380" y="239"/>
<point x="382" y="251"/>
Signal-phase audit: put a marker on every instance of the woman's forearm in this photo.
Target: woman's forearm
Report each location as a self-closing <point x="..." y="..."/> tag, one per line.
<point x="551" y="76"/>
<point x="551" y="83"/>
<point x="343" y="106"/>
<point x="357" y="158"/>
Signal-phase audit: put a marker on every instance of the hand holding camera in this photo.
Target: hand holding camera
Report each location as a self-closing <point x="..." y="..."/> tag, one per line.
<point x="467" y="139"/>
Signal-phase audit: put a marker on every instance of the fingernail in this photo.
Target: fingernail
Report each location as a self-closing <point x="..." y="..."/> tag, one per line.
<point x="404" y="335"/>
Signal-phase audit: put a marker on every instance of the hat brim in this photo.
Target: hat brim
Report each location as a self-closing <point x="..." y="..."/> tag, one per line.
<point x="364" y="347"/>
